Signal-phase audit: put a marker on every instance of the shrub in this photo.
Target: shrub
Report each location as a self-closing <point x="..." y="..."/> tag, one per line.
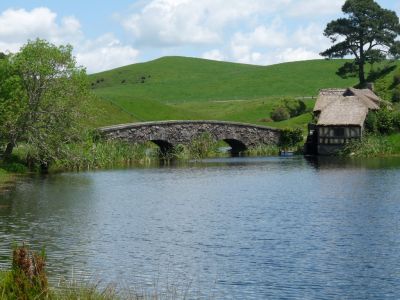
<point x="27" y="278"/>
<point x="385" y="120"/>
<point x="396" y="94"/>
<point x="396" y="79"/>
<point x="290" y="138"/>
<point x="371" y="122"/>
<point x="295" y="107"/>
<point x="15" y="167"/>
<point x="280" y="113"/>
<point x="288" y="108"/>
<point x="396" y="120"/>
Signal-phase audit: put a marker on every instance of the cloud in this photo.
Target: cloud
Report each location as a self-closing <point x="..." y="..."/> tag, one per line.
<point x="301" y="8"/>
<point x="214" y="55"/>
<point x="17" y="26"/>
<point x="311" y="36"/>
<point x="190" y="22"/>
<point x="296" y="54"/>
<point x="104" y="53"/>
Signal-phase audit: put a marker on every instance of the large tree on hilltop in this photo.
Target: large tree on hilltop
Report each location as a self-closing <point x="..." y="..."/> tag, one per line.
<point x="369" y="33"/>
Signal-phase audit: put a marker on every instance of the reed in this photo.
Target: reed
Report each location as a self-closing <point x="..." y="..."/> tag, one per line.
<point x="369" y="146"/>
<point x="263" y="150"/>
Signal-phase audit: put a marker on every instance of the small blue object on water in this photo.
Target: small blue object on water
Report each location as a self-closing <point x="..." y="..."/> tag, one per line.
<point x="286" y="153"/>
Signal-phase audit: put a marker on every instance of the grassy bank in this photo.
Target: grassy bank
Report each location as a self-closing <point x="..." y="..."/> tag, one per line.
<point x="7" y="179"/>
<point x="96" y="153"/>
<point x="374" y="146"/>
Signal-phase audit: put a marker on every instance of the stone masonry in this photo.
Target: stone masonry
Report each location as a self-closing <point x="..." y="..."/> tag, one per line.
<point x="168" y="134"/>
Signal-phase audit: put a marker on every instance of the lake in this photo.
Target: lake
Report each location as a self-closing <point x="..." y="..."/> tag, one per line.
<point x="229" y="228"/>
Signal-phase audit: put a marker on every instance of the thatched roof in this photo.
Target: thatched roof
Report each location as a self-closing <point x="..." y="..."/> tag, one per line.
<point x="344" y="111"/>
<point x="345" y="106"/>
<point x="326" y="97"/>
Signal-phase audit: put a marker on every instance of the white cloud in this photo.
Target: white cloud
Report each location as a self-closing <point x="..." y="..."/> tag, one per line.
<point x="214" y="55"/>
<point x="17" y="26"/>
<point x="296" y="54"/>
<point x="184" y="22"/>
<point x="262" y="36"/>
<point x="105" y="53"/>
<point x="311" y="36"/>
<point x="314" y="7"/>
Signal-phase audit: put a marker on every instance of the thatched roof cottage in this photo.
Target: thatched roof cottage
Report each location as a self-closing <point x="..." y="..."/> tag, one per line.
<point x="341" y="114"/>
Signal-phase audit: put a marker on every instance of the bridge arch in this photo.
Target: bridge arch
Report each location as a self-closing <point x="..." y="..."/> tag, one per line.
<point x="167" y="134"/>
<point x="236" y="145"/>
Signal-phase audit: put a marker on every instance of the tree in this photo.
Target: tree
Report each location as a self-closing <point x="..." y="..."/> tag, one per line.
<point x="368" y="33"/>
<point x="45" y="91"/>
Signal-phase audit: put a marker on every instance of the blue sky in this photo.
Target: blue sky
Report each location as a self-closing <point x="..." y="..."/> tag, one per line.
<point x="108" y="34"/>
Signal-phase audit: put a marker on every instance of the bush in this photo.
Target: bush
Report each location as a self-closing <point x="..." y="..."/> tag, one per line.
<point x="385" y="122"/>
<point x="280" y="113"/>
<point x="396" y="79"/>
<point x="15" y="167"/>
<point x="288" y="108"/>
<point x="295" y="107"/>
<point x="290" y="138"/>
<point x="396" y="94"/>
<point x="371" y="123"/>
<point x="396" y="120"/>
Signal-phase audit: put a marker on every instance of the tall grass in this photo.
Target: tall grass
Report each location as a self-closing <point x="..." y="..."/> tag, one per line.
<point x="104" y="154"/>
<point x="201" y="147"/>
<point x="372" y="146"/>
<point x="263" y="150"/>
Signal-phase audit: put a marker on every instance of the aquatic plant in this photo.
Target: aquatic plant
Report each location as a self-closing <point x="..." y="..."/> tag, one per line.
<point x="263" y="150"/>
<point x="27" y="278"/>
<point x="369" y="146"/>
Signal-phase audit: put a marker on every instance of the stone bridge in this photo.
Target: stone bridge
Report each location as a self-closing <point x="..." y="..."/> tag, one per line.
<point x="167" y="134"/>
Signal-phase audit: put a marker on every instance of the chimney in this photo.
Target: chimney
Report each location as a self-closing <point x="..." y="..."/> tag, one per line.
<point x="370" y="86"/>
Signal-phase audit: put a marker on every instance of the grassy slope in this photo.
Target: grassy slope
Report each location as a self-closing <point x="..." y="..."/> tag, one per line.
<point x="192" y="88"/>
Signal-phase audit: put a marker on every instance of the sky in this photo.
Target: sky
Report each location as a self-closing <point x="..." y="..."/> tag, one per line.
<point x="109" y="34"/>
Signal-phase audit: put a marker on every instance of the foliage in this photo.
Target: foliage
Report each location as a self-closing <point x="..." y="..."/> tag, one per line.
<point x="370" y="145"/>
<point x="288" y="108"/>
<point x="371" y="123"/>
<point x="296" y="107"/>
<point x="369" y="33"/>
<point x="396" y="94"/>
<point x="27" y="278"/>
<point x="202" y="147"/>
<point x="263" y="150"/>
<point x="44" y="99"/>
<point x="290" y="138"/>
<point x="384" y="121"/>
<point x="103" y="154"/>
<point x="280" y="113"/>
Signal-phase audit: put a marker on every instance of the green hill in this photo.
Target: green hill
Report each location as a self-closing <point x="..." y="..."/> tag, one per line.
<point x="192" y="88"/>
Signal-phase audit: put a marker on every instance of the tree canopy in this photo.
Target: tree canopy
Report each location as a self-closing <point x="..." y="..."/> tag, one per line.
<point x="369" y="33"/>
<point x="41" y="95"/>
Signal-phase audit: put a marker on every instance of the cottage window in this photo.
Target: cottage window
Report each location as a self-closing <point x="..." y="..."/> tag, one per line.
<point x="338" y="132"/>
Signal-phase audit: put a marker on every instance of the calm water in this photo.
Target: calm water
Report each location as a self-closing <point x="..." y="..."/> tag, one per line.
<point x="236" y="228"/>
